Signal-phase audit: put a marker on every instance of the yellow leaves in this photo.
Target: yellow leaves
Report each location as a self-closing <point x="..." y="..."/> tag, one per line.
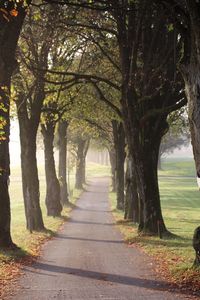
<point x="3" y="108"/>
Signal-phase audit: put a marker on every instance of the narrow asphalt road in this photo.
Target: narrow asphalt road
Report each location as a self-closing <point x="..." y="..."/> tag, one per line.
<point x="88" y="260"/>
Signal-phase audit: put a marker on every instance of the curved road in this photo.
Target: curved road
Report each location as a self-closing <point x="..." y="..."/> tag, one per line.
<point x="88" y="260"/>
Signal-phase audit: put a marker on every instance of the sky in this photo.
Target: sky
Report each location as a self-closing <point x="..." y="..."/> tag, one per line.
<point x="14" y="144"/>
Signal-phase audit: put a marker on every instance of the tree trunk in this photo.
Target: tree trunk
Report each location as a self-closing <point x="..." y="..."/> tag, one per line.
<point x="153" y="220"/>
<point x="119" y="144"/>
<point x="192" y="88"/>
<point x="131" y="195"/>
<point x="52" y="200"/>
<point x="5" y="217"/>
<point x="83" y="146"/>
<point x="196" y="246"/>
<point x="112" y="155"/>
<point x="84" y="159"/>
<point x="30" y="180"/>
<point x="62" y="169"/>
<point x="144" y="148"/>
<point x="9" y="34"/>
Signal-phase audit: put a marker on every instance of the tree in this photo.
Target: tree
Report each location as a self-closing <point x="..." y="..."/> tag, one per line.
<point x="62" y="172"/>
<point x="53" y="196"/>
<point x="185" y="17"/>
<point x="132" y="210"/>
<point x="147" y="97"/>
<point x="12" y="15"/>
<point x="119" y="146"/>
<point x="30" y="95"/>
<point x="150" y="88"/>
<point x="145" y="78"/>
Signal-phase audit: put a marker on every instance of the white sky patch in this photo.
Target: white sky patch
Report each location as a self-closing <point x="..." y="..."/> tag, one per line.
<point x="14" y="144"/>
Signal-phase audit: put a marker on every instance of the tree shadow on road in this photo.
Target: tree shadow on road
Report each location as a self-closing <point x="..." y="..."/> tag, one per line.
<point x="112" y="278"/>
<point x="62" y="236"/>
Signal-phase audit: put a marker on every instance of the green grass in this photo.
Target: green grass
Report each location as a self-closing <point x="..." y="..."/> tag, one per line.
<point x="94" y="169"/>
<point x="30" y="243"/>
<point x="178" y="167"/>
<point x="180" y="200"/>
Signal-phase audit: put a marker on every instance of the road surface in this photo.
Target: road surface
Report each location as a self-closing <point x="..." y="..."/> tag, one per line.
<point x="88" y="260"/>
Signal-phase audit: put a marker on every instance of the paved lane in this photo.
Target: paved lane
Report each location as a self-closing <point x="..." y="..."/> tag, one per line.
<point x="88" y="260"/>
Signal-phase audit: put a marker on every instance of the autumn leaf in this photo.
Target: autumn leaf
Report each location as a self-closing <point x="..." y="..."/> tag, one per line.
<point x="14" y="13"/>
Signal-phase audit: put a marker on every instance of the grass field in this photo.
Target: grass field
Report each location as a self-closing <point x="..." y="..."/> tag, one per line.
<point x="29" y="243"/>
<point x="180" y="200"/>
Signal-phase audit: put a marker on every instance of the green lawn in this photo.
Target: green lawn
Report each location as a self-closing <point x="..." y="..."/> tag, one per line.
<point x="178" y="167"/>
<point x="94" y="169"/>
<point x="29" y="243"/>
<point x="180" y="200"/>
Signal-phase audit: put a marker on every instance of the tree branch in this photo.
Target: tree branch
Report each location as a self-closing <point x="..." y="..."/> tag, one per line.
<point x="105" y="100"/>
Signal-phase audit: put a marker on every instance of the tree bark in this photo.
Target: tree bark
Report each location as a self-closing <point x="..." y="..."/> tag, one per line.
<point x="62" y="169"/>
<point x="52" y="200"/>
<point x="119" y="144"/>
<point x="83" y="146"/>
<point x="191" y="75"/>
<point x="144" y="146"/>
<point x="112" y="155"/>
<point x="5" y="217"/>
<point x="131" y="195"/>
<point x="30" y="182"/>
<point x="190" y="70"/>
<point x="9" y="34"/>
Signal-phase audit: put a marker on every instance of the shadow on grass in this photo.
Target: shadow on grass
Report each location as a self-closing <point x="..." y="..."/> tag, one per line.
<point x="159" y="242"/>
<point x="168" y="240"/>
<point x="12" y="255"/>
<point x="70" y="205"/>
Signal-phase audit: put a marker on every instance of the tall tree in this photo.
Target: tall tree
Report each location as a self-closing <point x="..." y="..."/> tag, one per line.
<point x="53" y="197"/>
<point x="12" y="15"/>
<point x="62" y="169"/>
<point x="185" y="17"/>
<point x="119" y="145"/>
<point x="147" y="97"/>
<point x="132" y="209"/>
<point x="82" y="148"/>
<point x="36" y="39"/>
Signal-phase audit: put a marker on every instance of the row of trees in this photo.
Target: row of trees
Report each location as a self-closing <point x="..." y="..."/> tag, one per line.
<point x="125" y="54"/>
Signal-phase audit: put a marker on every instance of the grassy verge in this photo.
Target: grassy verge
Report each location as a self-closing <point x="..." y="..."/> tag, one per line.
<point x="96" y="170"/>
<point x="29" y="244"/>
<point x="180" y="201"/>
